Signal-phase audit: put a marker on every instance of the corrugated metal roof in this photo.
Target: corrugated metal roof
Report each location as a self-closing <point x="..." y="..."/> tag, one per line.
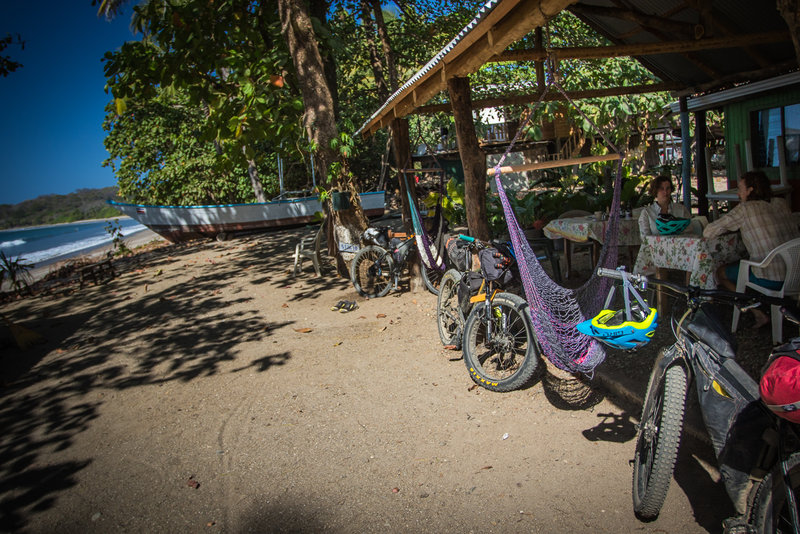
<point x="730" y="18"/>
<point x="485" y="10"/>
<point x="639" y="22"/>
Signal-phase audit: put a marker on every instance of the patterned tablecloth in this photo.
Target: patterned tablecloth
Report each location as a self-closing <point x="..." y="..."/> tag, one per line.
<point x="692" y="253"/>
<point x="581" y="229"/>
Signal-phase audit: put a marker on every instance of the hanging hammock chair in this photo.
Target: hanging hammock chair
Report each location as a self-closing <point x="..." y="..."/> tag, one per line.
<point x="430" y="245"/>
<point x="555" y="310"/>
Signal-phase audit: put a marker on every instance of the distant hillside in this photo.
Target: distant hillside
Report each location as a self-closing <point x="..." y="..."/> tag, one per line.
<point x="53" y="209"/>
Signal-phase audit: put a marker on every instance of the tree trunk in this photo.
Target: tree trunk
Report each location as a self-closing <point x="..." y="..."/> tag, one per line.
<point x="255" y="181"/>
<point x="388" y="52"/>
<point x="374" y="60"/>
<point x="473" y="159"/>
<point x="319" y="117"/>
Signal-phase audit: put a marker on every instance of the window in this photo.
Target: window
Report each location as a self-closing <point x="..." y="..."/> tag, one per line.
<point x="768" y="124"/>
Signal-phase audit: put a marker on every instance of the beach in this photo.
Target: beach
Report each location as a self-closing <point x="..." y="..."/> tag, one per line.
<point x="206" y="389"/>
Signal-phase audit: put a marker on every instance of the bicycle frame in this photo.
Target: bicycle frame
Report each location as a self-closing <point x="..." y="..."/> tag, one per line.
<point x="398" y="267"/>
<point x="746" y="436"/>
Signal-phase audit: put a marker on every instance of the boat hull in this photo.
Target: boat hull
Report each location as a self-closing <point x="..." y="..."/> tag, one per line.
<point x="183" y="223"/>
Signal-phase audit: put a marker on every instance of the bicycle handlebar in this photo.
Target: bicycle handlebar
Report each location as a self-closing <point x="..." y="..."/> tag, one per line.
<point x="787" y="307"/>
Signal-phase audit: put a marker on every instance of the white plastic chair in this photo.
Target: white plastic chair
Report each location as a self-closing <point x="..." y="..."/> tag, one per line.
<point x="790" y="253"/>
<point x="308" y="247"/>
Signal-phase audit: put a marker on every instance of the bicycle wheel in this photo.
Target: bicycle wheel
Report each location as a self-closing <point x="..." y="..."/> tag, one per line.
<point x="432" y="277"/>
<point x="372" y="271"/>
<point x="508" y="360"/>
<point x="658" y="440"/>
<point x="769" y="512"/>
<point x="448" y="315"/>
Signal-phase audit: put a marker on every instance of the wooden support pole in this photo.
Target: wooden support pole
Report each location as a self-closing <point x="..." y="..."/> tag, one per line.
<point x="700" y="129"/>
<point x="686" y="154"/>
<point x="541" y="83"/>
<point x="402" y="151"/>
<point x="473" y="159"/>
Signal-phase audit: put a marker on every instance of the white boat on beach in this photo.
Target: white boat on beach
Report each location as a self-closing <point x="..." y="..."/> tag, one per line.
<point x="181" y="223"/>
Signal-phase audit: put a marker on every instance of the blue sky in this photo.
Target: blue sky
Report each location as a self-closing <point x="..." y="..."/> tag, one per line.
<point x="51" y="109"/>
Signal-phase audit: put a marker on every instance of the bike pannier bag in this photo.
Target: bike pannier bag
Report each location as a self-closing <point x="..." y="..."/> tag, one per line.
<point x="731" y="409"/>
<point x="376" y="236"/>
<point x="458" y="253"/>
<point x="468" y="287"/>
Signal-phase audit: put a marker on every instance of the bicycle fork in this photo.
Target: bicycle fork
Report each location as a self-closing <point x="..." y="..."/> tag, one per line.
<point x="487" y="297"/>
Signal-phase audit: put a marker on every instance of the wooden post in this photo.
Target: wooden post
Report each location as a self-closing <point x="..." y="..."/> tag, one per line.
<point x="402" y="152"/>
<point x="701" y="163"/>
<point x="686" y="154"/>
<point x="538" y="43"/>
<point x="473" y="158"/>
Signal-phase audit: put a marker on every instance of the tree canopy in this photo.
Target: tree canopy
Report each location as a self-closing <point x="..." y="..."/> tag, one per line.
<point x="215" y="90"/>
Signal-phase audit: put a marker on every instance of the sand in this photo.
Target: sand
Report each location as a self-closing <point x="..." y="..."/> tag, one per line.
<point x="206" y="390"/>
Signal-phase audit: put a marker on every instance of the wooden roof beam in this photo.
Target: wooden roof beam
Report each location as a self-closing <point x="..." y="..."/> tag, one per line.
<point x="514" y="100"/>
<point x="644" y="49"/>
<point x="660" y="27"/>
<point x="726" y="27"/>
<point x="642" y="19"/>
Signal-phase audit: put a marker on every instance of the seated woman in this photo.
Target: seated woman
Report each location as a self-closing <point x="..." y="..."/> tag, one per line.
<point x="763" y="225"/>
<point x="661" y="188"/>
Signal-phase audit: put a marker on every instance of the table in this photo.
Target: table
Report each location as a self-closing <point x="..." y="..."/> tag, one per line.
<point x="689" y="252"/>
<point x="582" y="229"/>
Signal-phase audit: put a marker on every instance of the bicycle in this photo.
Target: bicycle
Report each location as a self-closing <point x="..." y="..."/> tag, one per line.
<point x="749" y="440"/>
<point x="376" y="268"/>
<point x="499" y="346"/>
<point x="450" y="317"/>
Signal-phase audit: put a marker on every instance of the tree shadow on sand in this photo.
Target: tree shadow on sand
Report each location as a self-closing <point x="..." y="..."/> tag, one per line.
<point x="124" y="334"/>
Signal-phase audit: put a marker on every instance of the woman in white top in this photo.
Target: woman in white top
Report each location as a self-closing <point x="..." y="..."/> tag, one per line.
<point x="661" y="188"/>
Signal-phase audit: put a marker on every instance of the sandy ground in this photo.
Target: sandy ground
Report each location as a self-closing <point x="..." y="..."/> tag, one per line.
<point x="206" y="390"/>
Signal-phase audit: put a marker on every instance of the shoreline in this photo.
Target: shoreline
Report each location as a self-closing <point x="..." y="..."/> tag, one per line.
<point x="35" y="226"/>
<point x="131" y="241"/>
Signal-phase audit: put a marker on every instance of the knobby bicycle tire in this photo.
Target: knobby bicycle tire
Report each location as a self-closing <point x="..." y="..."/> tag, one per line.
<point x="510" y="360"/>
<point x="448" y="315"/>
<point x="372" y="271"/>
<point x="767" y="505"/>
<point x="658" y="440"/>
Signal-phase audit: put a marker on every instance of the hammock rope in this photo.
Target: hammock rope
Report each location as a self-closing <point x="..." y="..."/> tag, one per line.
<point x="555" y="310"/>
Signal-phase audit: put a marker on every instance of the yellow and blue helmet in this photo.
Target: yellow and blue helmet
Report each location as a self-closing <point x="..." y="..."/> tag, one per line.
<point x="620" y="329"/>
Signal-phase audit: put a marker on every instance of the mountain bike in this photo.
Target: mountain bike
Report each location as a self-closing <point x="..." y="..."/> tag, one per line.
<point x="757" y="451"/>
<point x="499" y="347"/>
<point x="376" y="268"/>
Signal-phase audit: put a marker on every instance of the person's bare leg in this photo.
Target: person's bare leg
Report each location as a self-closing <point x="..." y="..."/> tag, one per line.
<point x="723" y="281"/>
<point x="760" y="316"/>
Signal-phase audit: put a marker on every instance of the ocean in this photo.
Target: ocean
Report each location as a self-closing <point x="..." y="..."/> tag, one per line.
<point x="43" y="245"/>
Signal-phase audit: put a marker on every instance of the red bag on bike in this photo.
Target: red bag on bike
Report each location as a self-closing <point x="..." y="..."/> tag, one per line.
<point x="780" y="381"/>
